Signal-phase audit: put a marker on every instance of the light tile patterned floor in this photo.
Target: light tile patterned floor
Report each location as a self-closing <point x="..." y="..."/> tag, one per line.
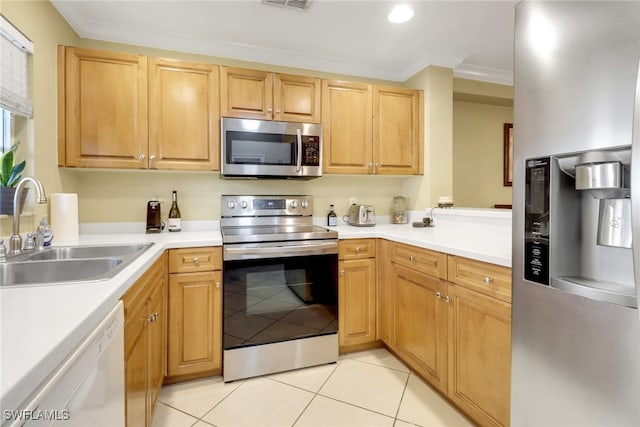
<point x="369" y="388"/>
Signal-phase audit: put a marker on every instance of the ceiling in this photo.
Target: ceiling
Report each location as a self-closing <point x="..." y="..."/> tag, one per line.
<point x="475" y="38"/>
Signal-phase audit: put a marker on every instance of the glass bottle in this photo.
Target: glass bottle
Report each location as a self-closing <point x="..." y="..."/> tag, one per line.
<point x="332" y="218"/>
<point x="175" y="221"/>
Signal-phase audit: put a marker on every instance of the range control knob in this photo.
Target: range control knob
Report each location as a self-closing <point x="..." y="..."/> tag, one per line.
<point x="304" y="204"/>
<point x="293" y="204"/>
<point x="231" y="204"/>
<point x="243" y="204"/>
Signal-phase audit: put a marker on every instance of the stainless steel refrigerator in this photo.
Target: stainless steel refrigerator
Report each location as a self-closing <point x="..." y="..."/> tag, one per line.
<point x="576" y="214"/>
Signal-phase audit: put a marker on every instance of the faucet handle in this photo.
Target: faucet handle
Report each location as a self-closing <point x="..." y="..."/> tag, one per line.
<point x="3" y="251"/>
<point x="29" y="242"/>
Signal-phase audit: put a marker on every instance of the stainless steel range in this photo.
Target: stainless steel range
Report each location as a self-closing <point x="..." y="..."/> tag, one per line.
<point x="280" y="286"/>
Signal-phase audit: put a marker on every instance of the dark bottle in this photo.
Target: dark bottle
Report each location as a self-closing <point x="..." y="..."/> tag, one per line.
<point x="332" y="218"/>
<point x="175" y="221"/>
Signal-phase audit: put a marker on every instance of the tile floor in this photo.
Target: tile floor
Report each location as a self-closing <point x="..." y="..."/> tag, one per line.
<point x="369" y="388"/>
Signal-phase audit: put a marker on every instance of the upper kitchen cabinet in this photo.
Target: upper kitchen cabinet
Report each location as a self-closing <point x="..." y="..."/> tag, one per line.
<point x="129" y="111"/>
<point x="264" y="95"/>
<point x="347" y="111"/>
<point x="184" y="125"/>
<point x="102" y="108"/>
<point x="397" y="131"/>
<point x="371" y="129"/>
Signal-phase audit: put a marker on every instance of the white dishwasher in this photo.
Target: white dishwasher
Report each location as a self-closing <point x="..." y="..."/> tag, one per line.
<point x="88" y="389"/>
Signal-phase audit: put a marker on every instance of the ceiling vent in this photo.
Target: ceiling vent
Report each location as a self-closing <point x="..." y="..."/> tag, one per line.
<point x="293" y="4"/>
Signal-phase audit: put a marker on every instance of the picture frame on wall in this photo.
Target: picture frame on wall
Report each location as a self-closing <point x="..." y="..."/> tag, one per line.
<point x="508" y="155"/>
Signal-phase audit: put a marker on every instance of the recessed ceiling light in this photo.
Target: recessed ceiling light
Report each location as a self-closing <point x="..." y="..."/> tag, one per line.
<point x="399" y="14"/>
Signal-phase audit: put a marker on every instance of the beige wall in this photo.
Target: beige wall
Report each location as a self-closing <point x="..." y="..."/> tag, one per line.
<point x="106" y="196"/>
<point x="479" y="113"/>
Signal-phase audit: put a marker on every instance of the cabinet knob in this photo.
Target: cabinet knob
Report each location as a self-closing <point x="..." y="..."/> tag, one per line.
<point x="269" y="110"/>
<point x="141" y="157"/>
<point x="153" y="317"/>
<point x="357" y="249"/>
<point x="487" y="280"/>
<point x="411" y="258"/>
<point x="342" y="272"/>
<point x="277" y="110"/>
<point x="377" y="165"/>
<point x="447" y="298"/>
<point x="438" y="294"/>
<point x="218" y="284"/>
<point x="196" y="260"/>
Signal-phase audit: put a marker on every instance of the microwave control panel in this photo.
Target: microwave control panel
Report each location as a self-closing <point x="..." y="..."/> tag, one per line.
<point x="311" y="150"/>
<point x="536" y="219"/>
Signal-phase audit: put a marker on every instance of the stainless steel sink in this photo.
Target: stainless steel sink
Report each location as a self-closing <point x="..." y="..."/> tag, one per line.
<point x="44" y="272"/>
<point x="84" y="252"/>
<point x="68" y="264"/>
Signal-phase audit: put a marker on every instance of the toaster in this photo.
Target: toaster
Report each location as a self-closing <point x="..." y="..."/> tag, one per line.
<point x="360" y="216"/>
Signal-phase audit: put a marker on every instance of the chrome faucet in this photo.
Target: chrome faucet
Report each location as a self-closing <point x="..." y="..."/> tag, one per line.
<point x="15" y="242"/>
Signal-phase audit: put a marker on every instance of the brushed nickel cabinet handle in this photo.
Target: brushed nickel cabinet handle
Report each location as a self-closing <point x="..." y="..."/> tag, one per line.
<point x="342" y="272"/>
<point x="218" y="284"/>
<point x="447" y="298"/>
<point x="411" y="258"/>
<point x="196" y="260"/>
<point x="438" y="294"/>
<point x="487" y="280"/>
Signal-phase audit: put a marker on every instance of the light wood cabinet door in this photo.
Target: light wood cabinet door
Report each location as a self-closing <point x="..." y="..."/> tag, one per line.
<point x="397" y="148"/>
<point x="195" y="313"/>
<point x="156" y="332"/>
<point x="480" y="356"/>
<point x="385" y="302"/>
<point x="135" y="371"/>
<point x="420" y="321"/>
<point x="144" y="331"/>
<point x="105" y="109"/>
<point x="357" y="302"/>
<point x="184" y="116"/>
<point x="347" y="127"/>
<point x="246" y="93"/>
<point x="296" y="98"/>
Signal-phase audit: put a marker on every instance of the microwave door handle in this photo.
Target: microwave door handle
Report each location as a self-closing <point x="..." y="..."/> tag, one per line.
<point x="299" y="156"/>
<point x="635" y="189"/>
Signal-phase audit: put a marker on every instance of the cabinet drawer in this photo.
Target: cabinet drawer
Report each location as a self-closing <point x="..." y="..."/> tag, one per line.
<point x="192" y="260"/>
<point x="357" y="249"/>
<point x="423" y="260"/>
<point x="489" y="279"/>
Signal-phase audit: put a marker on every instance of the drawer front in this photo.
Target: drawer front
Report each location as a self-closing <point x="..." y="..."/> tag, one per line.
<point x="489" y="279"/>
<point x="423" y="260"/>
<point x="193" y="260"/>
<point x="357" y="249"/>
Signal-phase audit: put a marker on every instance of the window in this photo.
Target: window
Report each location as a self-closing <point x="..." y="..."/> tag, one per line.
<point x="14" y="84"/>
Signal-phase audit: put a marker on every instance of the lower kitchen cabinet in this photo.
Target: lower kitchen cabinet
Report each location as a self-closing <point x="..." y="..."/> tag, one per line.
<point x="480" y="355"/>
<point x="195" y="313"/>
<point x="456" y="334"/>
<point x="145" y="331"/>
<point x="420" y="323"/>
<point x="357" y="293"/>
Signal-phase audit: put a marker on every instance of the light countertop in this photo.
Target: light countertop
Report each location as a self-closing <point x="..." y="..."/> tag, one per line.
<point x="42" y="325"/>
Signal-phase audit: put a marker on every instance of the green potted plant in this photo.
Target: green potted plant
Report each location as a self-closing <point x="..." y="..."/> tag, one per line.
<point x="10" y="174"/>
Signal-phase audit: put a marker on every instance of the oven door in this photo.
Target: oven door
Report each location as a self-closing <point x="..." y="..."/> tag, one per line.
<point x="274" y="299"/>
<point x="258" y="148"/>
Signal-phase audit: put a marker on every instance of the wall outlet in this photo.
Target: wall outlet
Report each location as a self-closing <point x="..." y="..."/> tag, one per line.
<point x="353" y="200"/>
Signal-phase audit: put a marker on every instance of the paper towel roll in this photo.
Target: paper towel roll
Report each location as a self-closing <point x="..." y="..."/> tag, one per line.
<point x="64" y="216"/>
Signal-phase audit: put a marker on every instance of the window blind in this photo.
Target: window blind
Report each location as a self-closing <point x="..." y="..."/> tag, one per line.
<point x="14" y="83"/>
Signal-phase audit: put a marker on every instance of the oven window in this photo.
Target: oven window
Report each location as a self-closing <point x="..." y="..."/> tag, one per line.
<point x="250" y="148"/>
<point x="272" y="300"/>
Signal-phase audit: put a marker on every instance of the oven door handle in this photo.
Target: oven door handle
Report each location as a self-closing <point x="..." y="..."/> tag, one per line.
<point x="232" y="253"/>
<point x="299" y="156"/>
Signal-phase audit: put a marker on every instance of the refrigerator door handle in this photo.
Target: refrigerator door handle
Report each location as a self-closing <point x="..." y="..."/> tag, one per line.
<point x="635" y="188"/>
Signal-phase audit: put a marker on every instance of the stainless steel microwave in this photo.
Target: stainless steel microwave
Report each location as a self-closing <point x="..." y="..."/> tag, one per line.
<point x="270" y="149"/>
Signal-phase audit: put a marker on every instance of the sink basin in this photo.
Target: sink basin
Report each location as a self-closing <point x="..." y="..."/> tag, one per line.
<point x="84" y="252"/>
<point x="69" y="264"/>
<point x="51" y="272"/>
